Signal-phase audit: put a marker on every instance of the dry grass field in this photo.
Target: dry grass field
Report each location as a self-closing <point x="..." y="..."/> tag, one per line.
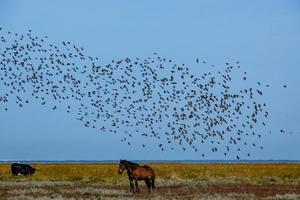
<point x="174" y="181"/>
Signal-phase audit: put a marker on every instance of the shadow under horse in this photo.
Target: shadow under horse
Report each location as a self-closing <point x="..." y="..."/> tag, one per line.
<point x="137" y="172"/>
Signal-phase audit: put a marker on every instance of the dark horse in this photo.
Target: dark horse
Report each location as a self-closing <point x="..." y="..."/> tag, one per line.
<point x="136" y="172"/>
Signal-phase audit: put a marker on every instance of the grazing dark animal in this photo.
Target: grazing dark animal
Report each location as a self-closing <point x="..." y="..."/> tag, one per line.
<point x="22" y="169"/>
<point x="136" y="172"/>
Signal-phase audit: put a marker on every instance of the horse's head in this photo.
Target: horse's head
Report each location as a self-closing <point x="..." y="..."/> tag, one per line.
<point x="122" y="166"/>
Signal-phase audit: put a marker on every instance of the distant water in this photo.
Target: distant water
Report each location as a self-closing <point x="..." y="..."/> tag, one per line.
<point x="144" y="161"/>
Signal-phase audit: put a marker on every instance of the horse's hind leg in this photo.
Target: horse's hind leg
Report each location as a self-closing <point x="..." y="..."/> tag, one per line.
<point x="136" y="186"/>
<point x="147" y="181"/>
<point x="152" y="182"/>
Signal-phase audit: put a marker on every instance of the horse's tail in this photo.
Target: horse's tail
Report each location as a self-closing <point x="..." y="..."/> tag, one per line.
<point x="153" y="180"/>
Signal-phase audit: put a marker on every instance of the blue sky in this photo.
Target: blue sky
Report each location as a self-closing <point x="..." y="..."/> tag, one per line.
<point x="262" y="35"/>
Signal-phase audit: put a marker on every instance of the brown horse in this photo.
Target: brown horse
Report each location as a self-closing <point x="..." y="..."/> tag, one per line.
<point x="136" y="172"/>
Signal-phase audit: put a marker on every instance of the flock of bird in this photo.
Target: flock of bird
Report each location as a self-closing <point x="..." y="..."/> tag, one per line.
<point x="150" y="97"/>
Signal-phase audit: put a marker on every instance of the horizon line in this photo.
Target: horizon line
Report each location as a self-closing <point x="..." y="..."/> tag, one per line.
<point x="155" y="161"/>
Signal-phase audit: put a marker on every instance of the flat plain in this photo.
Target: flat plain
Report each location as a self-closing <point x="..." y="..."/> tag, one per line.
<point x="173" y="181"/>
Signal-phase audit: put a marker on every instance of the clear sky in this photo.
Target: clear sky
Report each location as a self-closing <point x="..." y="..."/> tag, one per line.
<point x="263" y="35"/>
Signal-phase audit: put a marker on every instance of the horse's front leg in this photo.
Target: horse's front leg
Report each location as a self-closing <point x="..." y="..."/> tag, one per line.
<point x="131" y="185"/>
<point x="136" y="186"/>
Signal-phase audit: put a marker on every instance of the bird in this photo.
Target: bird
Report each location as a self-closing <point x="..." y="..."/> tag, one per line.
<point x="150" y="93"/>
